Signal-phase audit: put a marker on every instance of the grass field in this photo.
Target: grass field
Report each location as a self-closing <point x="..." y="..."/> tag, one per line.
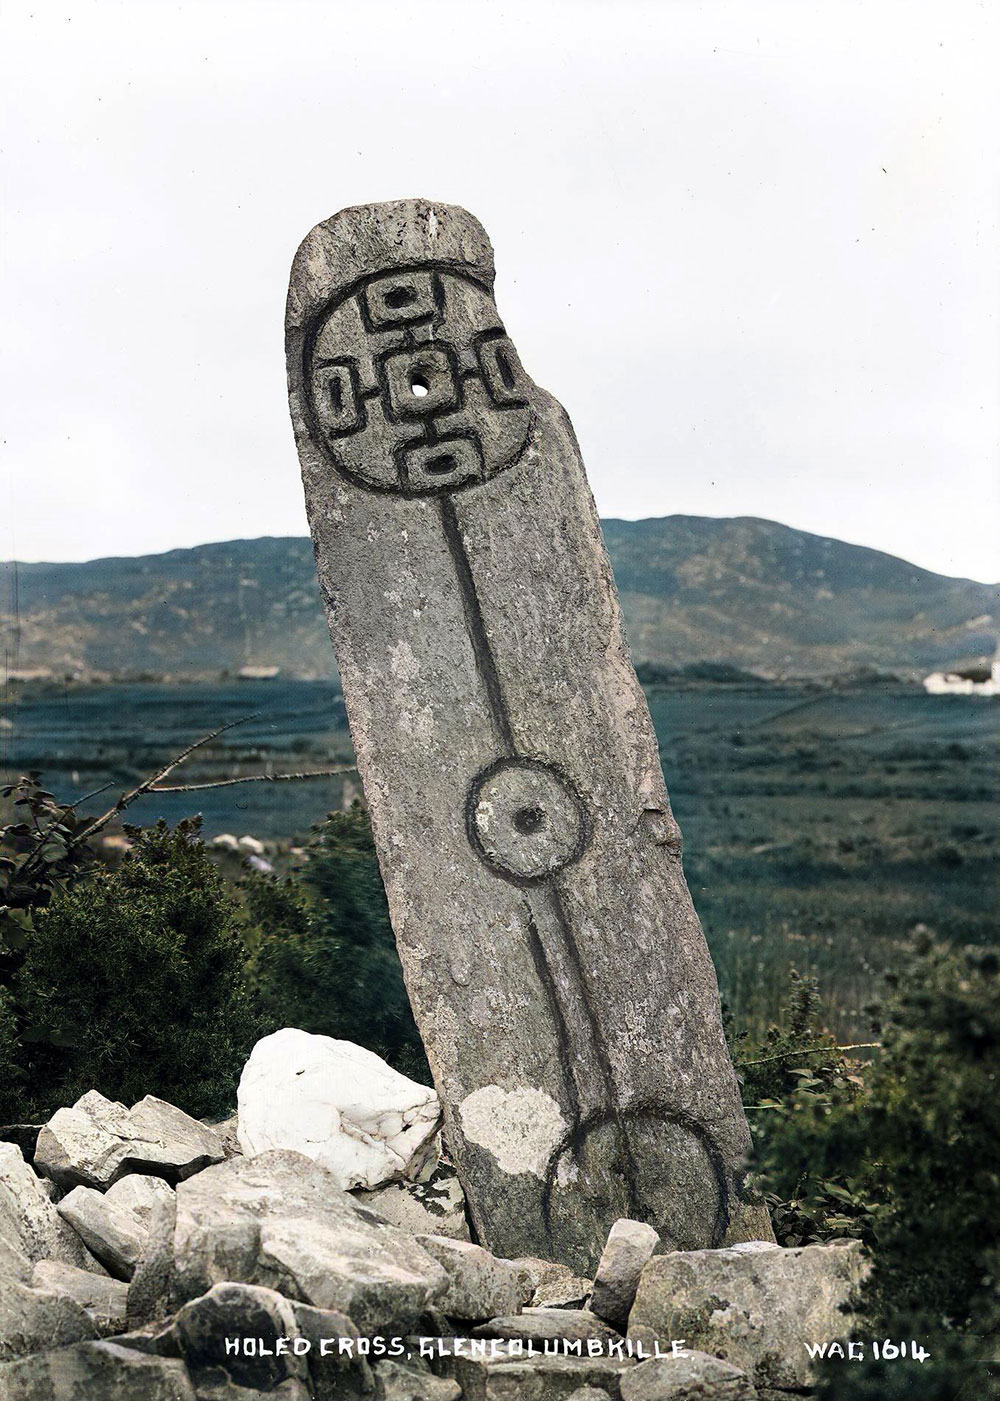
<point x="820" y="827"/>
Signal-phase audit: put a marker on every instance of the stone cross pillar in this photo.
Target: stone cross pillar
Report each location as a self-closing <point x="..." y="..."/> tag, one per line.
<point x="554" y="961"/>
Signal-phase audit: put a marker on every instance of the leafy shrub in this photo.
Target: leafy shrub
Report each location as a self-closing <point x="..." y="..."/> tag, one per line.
<point x="12" y="1075"/>
<point x="323" y="955"/>
<point x="44" y="851"/>
<point x="132" y="983"/>
<point x="798" y="1073"/>
<point x="912" y="1154"/>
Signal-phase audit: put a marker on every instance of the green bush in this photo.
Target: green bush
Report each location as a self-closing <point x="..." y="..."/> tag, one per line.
<point x="913" y="1156"/>
<point x="132" y="983"/>
<point x="12" y="1075"/>
<point x="795" y="1074"/>
<point x="323" y="956"/>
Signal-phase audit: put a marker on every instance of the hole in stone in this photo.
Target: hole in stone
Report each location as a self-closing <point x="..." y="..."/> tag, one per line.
<point x="419" y="386"/>
<point x="440" y="466"/>
<point x="400" y="297"/>
<point x="529" y="820"/>
<point x="336" y="395"/>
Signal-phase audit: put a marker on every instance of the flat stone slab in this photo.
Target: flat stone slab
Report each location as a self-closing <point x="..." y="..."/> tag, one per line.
<point x="550" y="1325"/>
<point x="533" y="1378"/>
<point x="97" y="1140"/>
<point x="114" y="1225"/>
<point x="757" y="1309"/>
<point x="103" y="1298"/>
<point x="281" y="1221"/>
<point x="691" y="1376"/>
<point x="556" y="967"/>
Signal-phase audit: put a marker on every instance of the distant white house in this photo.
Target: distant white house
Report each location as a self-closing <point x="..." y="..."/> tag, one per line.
<point x="258" y="673"/>
<point x="32" y="673"/>
<point x="971" y="681"/>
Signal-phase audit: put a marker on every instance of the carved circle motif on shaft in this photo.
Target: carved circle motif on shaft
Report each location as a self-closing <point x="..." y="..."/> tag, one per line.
<point x="526" y="820"/>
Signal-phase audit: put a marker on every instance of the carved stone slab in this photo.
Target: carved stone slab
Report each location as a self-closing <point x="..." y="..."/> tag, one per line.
<point x="556" y="967"/>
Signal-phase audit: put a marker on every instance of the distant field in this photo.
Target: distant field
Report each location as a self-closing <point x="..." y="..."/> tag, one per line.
<point x="819" y="828"/>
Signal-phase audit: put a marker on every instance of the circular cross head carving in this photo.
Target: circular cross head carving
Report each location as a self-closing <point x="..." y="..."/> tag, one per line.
<point x="526" y="820"/>
<point x="412" y="384"/>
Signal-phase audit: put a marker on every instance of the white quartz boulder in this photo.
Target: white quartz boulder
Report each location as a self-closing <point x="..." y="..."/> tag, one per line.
<point x="338" y="1104"/>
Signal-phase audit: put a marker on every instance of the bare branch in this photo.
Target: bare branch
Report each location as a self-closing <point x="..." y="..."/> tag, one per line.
<point x="147" y="784"/>
<point x="252" y="778"/>
<point x="126" y="798"/>
<point x="784" y="1055"/>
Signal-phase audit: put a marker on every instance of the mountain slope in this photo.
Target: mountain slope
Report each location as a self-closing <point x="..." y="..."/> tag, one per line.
<point x="746" y="591"/>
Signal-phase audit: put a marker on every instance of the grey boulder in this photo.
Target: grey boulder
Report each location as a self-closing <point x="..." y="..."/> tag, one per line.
<point x="435" y="1206"/>
<point x="95" y="1371"/>
<point x="756" y="1308"/>
<point x="115" y="1224"/>
<point x="280" y="1220"/>
<point x="103" y="1298"/>
<point x="570" y="1326"/>
<point x="272" y="1359"/>
<point x="396" y="1381"/>
<point x="97" y="1141"/>
<point x="691" y="1376"/>
<point x="479" y="1284"/>
<point x="533" y="1378"/>
<point x="554" y="1286"/>
<point x="629" y="1245"/>
<point x="31" y="1228"/>
<point x="33" y="1319"/>
<point x="243" y="1312"/>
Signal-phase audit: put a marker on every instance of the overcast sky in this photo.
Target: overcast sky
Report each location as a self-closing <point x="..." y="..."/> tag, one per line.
<point x="751" y="246"/>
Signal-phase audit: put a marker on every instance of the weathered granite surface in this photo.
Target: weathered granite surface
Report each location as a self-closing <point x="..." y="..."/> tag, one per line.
<point x="691" y="1376"/>
<point x="97" y="1141"/>
<point x="479" y="1285"/>
<point x="557" y="969"/>
<point x="553" y="1286"/>
<point x="555" y="1326"/>
<point x="99" y="1371"/>
<point x="628" y="1247"/>
<point x="31" y="1228"/>
<point x="32" y="1319"/>
<point x="114" y="1225"/>
<point x="103" y="1298"/>
<point x="281" y="1221"/>
<point x="755" y="1308"/>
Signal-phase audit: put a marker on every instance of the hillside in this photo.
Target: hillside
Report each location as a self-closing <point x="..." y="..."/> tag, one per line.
<point x="744" y="591"/>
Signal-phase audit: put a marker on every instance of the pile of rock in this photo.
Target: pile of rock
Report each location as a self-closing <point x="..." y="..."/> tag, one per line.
<point x="143" y="1254"/>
